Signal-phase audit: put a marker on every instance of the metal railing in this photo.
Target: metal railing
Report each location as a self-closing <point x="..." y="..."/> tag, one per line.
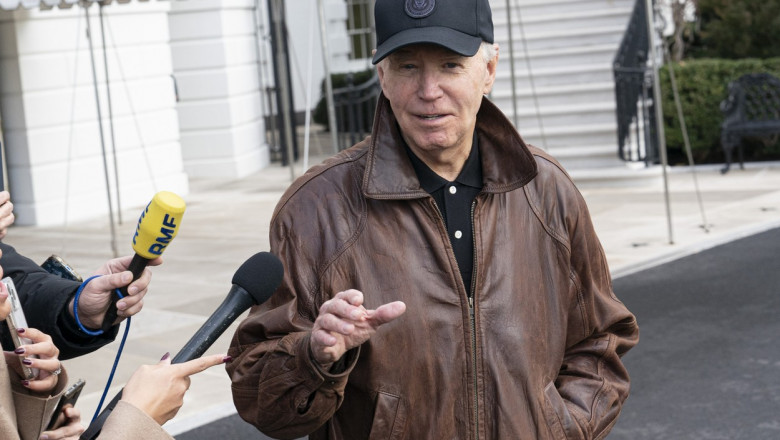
<point x="354" y="107"/>
<point x="637" y="139"/>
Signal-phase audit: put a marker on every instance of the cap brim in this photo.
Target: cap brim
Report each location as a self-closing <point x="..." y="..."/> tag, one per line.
<point x="458" y="42"/>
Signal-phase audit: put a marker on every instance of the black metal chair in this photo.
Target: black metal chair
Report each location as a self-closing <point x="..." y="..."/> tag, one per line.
<point x="752" y="109"/>
<point x="354" y="108"/>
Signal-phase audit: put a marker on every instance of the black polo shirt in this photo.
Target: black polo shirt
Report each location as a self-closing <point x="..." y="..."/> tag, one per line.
<point x="454" y="200"/>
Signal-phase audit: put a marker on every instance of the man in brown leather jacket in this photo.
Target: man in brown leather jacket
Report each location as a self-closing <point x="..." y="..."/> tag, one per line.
<point x="442" y="278"/>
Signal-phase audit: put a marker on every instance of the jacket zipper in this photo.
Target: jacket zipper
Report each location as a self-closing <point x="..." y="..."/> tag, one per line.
<point x="473" y="322"/>
<point x="472" y="318"/>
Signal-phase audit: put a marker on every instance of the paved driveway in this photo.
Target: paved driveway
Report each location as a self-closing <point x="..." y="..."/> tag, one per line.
<point x="708" y="361"/>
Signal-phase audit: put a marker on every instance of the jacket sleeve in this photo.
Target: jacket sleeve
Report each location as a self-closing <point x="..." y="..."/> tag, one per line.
<point x="127" y="422"/>
<point x="33" y="412"/>
<point x="592" y="380"/>
<point x="276" y="385"/>
<point x="45" y="299"/>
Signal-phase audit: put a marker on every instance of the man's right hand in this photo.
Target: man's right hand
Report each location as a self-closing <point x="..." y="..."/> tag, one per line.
<point x="343" y="324"/>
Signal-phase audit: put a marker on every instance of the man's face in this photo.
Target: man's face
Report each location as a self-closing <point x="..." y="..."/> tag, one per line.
<point x="435" y="95"/>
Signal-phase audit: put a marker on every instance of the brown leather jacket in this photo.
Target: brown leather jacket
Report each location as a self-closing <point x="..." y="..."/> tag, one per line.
<point x="535" y="356"/>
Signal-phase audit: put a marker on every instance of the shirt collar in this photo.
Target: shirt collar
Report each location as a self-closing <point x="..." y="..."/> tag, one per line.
<point x="470" y="175"/>
<point x="507" y="163"/>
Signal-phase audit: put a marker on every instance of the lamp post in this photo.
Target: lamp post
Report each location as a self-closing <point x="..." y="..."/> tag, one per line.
<point x="659" y="113"/>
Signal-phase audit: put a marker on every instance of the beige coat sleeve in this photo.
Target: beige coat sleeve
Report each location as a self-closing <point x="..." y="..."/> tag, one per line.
<point x="7" y="409"/>
<point x="127" y="422"/>
<point x="25" y="416"/>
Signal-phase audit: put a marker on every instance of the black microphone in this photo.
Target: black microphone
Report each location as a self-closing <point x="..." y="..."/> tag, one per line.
<point x="253" y="284"/>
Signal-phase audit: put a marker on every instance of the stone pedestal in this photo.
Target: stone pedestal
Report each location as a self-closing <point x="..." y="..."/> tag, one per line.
<point x="215" y="52"/>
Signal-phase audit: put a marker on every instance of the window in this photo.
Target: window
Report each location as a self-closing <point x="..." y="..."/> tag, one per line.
<point x="360" y="28"/>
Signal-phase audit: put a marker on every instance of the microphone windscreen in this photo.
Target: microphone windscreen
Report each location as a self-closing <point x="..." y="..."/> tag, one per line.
<point x="158" y="224"/>
<point x="260" y="275"/>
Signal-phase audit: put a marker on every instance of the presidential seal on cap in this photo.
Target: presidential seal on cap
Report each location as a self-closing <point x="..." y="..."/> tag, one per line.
<point x="458" y="25"/>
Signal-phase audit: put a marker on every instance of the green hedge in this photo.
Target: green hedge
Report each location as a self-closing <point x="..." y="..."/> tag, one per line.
<point x="736" y="29"/>
<point x="702" y="85"/>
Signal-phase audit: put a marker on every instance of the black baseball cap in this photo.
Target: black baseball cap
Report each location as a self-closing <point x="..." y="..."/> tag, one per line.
<point x="458" y="25"/>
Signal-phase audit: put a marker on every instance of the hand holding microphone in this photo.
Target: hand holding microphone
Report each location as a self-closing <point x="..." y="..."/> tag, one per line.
<point x="157" y="226"/>
<point x="101" y="291"/>
<point x="253" y="283"/>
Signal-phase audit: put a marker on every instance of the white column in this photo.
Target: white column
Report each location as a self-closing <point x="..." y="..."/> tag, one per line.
<point x="214" y="53"/>
<point x="302" y="20"/>
<point x="49" y="116"/>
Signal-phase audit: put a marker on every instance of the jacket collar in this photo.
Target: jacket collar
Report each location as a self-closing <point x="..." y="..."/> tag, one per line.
<point x="507" y="163"/>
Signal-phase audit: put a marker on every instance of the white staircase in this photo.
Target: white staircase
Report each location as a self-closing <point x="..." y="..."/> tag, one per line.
<point x="564" y="87"/>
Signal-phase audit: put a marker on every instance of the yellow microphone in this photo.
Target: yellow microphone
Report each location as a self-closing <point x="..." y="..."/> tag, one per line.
<point x="157" y="226"/>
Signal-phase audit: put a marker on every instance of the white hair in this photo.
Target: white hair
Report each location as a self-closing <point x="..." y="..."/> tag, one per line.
<point x="488" y="51"/>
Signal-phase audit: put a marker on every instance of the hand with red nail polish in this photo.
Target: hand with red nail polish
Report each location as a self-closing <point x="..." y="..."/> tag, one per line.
<point x="42" y="355"/>
<point x="158" y="390"/>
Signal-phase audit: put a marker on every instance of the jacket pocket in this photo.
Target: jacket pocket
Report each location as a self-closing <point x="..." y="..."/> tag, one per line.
<point x="561" y="422"/>
<point x="389" y="418"/>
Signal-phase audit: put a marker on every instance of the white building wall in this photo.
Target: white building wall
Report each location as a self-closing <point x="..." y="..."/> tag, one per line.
<point x="215" y="51"/>
<point x="53" y="145"/>
<point x="206" y="50"/>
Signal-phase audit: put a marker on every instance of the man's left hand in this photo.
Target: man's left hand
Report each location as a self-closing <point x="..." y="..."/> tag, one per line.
<point x="96" y="296"/>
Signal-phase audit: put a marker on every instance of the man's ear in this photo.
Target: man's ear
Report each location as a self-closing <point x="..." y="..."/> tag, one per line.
<point x="491" y="72"/>
<point x="380" y="71"/>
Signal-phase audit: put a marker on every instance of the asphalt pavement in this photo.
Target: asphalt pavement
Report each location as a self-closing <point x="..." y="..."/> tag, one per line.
<point x="708" y="362"/>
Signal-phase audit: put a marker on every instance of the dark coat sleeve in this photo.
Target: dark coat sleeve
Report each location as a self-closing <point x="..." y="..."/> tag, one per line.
<point x="45" y="298"/>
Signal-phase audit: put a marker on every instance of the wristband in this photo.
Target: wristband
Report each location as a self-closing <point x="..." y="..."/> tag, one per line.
<point x="76" y="307"/>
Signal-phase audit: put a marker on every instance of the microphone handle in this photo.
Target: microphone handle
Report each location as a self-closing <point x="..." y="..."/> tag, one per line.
<point x="235" y="303"/>
<point x="137" y="266"/>
<point x="93" y="430"/>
